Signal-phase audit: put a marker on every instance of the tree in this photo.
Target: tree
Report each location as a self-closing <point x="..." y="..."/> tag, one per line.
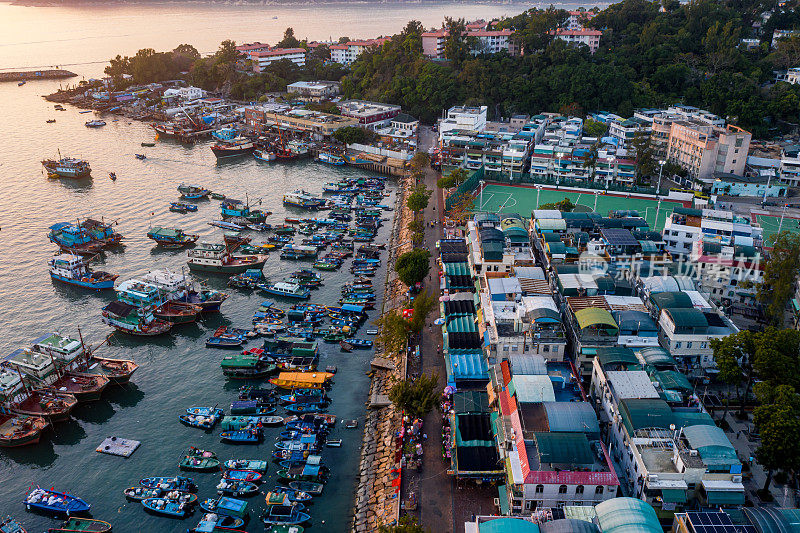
<point x="734" y="356"/>
<point x="456" y="177"/>
<point x="394" y="331"/>
<point x="412" y="267"/>
<point x="351" y="135"/>
<point x="594" y="128"/>
<point x="565" y="205"/>
<point x="456" y="48"/>
<point x="418" y="199"/>
<point x="416" y="397"/>
<point x="420" y="161"/>
<point x="778" y="423"/>
<point x="424" y="303"/>
<point x="643" y="148"/>
<point x="780" y="277"/>
<point x="721" y="45"/>
<point x="289" y="40"/>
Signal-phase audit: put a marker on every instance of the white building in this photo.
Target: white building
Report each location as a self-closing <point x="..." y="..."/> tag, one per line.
<point x="463" y="118"/>
<point x="590" y="38"/>
<point x="314" y="89"/>
<point x="263" y="59"/>
<point x="685" y="225"/>
<point x="346" y="53"/>
<point x="790" y="165"/>
<point x="185" y="93"/>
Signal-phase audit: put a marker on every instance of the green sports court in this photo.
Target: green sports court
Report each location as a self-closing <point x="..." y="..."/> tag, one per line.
<point x="512" y="199"/>
<point x="772" y="223"/>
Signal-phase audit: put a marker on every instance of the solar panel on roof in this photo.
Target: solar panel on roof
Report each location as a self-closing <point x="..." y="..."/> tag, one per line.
<point x="716" y="522"/>
<point x="618" y="237"/>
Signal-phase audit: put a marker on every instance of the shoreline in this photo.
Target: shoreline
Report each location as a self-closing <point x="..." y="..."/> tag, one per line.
<point x="377" y="495"/>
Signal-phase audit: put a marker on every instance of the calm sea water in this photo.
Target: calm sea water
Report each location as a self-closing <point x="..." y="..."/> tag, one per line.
<point x="177" y="371"/>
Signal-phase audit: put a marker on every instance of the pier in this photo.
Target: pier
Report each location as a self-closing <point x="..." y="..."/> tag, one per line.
<point x="27" y="75"/>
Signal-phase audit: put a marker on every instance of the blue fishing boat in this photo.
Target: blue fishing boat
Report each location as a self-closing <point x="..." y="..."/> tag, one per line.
<point x="171" y="237"/>
<point x="10" y="525"/>
<point x="71" y="269"/>
<point x="284" y="515"/>
<point x="202" y="417"/>
<point x="55" y="503"/>
<point x="241" y="436"/>
<point x="239" y="209"/>
<point x="236" y="488"/>
<point x="225" y="506"/>
<point x="242" y="475"/>
<point x="181" y="207"/>
<point x="224" y="342"/>
<point x="166" y="507"/>
<point x="184" y="484"/>
<point x="303" y="396"/>
<point x="294" y="494"/>
<point x="193" y="192"/>
<point x="214" y="523"/>
<point x="289" y="290"/>
<point x="302" y="408"/>
<point x="296" y="457"/>
<point x="256" y="465"/>
<point x="330" y="158"/>
<point x="360" y="343"/>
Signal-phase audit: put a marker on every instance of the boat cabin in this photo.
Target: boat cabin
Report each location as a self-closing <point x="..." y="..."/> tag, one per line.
<point x="138" y="293"/>
<point x="31" y="363"/>
<point x="60" y="347"/>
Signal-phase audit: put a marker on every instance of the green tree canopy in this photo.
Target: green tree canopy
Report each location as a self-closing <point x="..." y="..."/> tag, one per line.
<point x="416" y="397"/>
<point x="289" y="40"/>
<point x="456" y="177"/>
<point x="778" y="423"/>
<point x="781" y="271"/>
<point x="565" y="205"/>
<point x="418" y="199"/>
<point x="351" y="135"/>
<point x="424" y="303"/>
<point x="413" y="267"/>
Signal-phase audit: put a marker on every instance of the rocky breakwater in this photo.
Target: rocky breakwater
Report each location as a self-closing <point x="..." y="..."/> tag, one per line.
<point x="377" y="499"/>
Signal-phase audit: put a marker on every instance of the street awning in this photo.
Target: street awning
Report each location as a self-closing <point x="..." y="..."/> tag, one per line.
<point x="715" y="497"/>
<point x="503" y="497"/>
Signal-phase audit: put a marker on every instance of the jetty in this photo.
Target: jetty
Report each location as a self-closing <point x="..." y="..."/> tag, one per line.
<point x="27" y="75"/>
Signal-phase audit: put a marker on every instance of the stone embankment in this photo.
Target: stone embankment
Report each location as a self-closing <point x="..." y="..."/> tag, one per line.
<point x="377" y="495"/>
<point x="28" y="75"/>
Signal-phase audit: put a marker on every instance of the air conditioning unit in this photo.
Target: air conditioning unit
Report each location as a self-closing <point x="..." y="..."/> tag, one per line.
<point x="652" y="478"/>
<point x="736" y="479"/>
<point x="693" y="453"/>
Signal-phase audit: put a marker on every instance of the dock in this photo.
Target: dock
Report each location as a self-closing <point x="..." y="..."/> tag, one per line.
<point x="117" y="446"/>
<point x="28" y="75"/>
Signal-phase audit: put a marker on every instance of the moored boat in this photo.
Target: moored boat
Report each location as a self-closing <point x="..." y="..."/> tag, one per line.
<point x="55" y="503"/>
<point x="236" y="488"/>
<point x="193" y="192"/>
<point x="166" y="507"/>
<point x="199" y="462"/>
<point x="67" y="167"/>
<point x="118" y="371"/>
<point x="242" y="475"/>
<point x="128" y="319"/>
<point x="71" y="269"/>
<point x="50" y="405"/>
<point x="242" y="436"/>
<point x="20" y="430"/>
<point x="264" y="155"/>
<point x="10" y="525"/>
<point x="307" y="486"/>
<point x="255" y="465"/>
<point x="75" y="524"/>
<point x="171" y="237"/>
<point x="84" y="387"/>
<point x="208" y="257"/>
<point x="284" y="515"/>
<point x="225" y="506"/>
<point x="287" y="289"/>
<point x="233" y="148"/>
<point x="214" y="523"/>
<point x="184" y="484"/>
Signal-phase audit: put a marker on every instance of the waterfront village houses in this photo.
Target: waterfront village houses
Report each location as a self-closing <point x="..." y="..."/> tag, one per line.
<point x="319" y="125"/>
<point x="346" y="53"/>
<point x="370" y="115"/>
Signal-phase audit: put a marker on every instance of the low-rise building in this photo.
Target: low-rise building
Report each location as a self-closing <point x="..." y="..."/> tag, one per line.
<point x="760" y="186"/>
<point x="262" y="59"/>
<point x="484" y="39"/>
<point x="250" y="48"/>
<point x="346" y="53"/>
<point x="370" y="115"/>
<point x="728" y="273"/>
<point x="314" y="90"/>
<point x="463" y="118"/>
<point x="685" y="225"/>
<point x="790" y="165"/>
<point x="589" y="38"/>
<point x="263" y="117"/>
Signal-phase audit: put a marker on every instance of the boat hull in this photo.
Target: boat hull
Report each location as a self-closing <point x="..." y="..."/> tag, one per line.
<point x="99" y="286"/>
<point x="226" y="269"/>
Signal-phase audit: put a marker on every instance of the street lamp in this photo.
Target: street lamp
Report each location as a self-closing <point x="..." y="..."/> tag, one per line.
<point x="612" y="168"/>
<point x="596" y="194"/>
<point x="660" y="170"/>
<point x="538" y="192"/>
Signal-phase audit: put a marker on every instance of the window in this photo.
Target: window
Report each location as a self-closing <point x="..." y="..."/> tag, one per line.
<point x="599" y="489"/>
<point x="703" y="345"/>
<point x="579" y="489"/>
<point x="562" y="489"/>
<point x="688" y="345"/>
<point x="545" y="348"/>
<point x="539" y="489"/>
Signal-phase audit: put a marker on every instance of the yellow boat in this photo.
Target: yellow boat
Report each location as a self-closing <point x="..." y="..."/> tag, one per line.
<point x="302" y="380"/>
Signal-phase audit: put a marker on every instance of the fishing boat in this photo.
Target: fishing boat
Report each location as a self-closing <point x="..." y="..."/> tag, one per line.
<point x="193" y="192"/>
<point x="71" y="269"/>
<point x="246" y="366"/>
<point x="209" y="257"/>
<point x="346" y="346"/>
<point x="94" y="123"/>
<point x="112" y="176"/>
<point x="214" y="523"/>
<point x="293" y="494"/>
<point x="206" y="422"/>
<point x="302" y="380"/>
<point x="10" y="525"/>
<point x="285" y="528"/>
<point x="73" y="238"/>
<point x="182" y="207"/>
<point x="360" y="343"/>
<point x="224" y="342"/>
<point x="242" y="475"/>
<point x="84" y="387"/>
<point x="148" y="145"/>
<point x="137" y="494"/>
<point x="236" y="488"/>
<point x="230" y="208"/>
<point x="247" y="279"/>
<point x="127" y="318"/>
<point x="118" y="371"/>
<point x="199" y="463"/>
<point x="254" y="465"/>
<point x="225" y="506"/>
<point x="302" y="408"/>
<point x="165" y="507"/>
<point x="50" y="405"/>
<point x="184" y="484"/>
<point x="20" y="430"/>
<point x="289" y="290"/>
<point x="303" y="396"/>
<point x="140" y="156"/>
<point x="55" y="503"/>
<point x="67" y="167"/>
<point x="307" y="486"/>
<point x="226" y="225"/>
<point x="284" y="515"/>
<point x="333" y="443"/>
<point x="75" y="524"/>
<point x="250" y="421"/>
<point x="330" y="158"/>
<point x="264" y="156"/>
<point x="242" y="436"/>
<point x="171" y="237"/>
<point x="233" y="148"/>
<point x="303" y="199"/>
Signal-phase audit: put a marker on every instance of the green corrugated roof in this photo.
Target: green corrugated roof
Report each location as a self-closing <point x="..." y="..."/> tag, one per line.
<point x="616" y="354"/>
<point x="623" y="515"/>
<point x="592" y="316"/>
<point x="673" y="300"/>
<point x="508" y="525"/>
<point x="656" y="355"/>
<point x="685" y="419"/>
<point x="563" y="448"/>
<point x="725" y="497"/>
<point x="687" y="318"/>
<point x="456" y="269"/>
<point x="556" y="247"/>
<point x="672" y="380"/>
<point x="471" y="401"/>
<point x="673" y="495"/>
<point x="701" y="436"/>
<point x="639" y="413"/>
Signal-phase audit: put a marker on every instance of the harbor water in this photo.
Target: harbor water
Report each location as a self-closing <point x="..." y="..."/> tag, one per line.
<point x="176" y="370"/>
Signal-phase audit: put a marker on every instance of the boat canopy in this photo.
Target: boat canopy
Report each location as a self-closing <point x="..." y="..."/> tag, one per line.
<point x="56" y="227"/>
<point x="120" y="309"/>
<point x="353" y="308"/>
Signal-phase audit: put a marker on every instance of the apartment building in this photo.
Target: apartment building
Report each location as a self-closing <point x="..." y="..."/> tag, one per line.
<point x="685" y="225"/>
<point x="704" y="149"/>
<point x="314" y="90"/>
<point x="463" y="118"/>
<point x="686" y="330"/>
<point x="484" y="39"/>
<point x="263" y="58"/>
<point x="728" y="273"/>
<point x="370" y="115"/>
<point x="589" y="38"/>
<point x="577" y="19"/>
<point x="789" y="172"/>
<point x="346" y="53"/>
<point x="250" y="48"/>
